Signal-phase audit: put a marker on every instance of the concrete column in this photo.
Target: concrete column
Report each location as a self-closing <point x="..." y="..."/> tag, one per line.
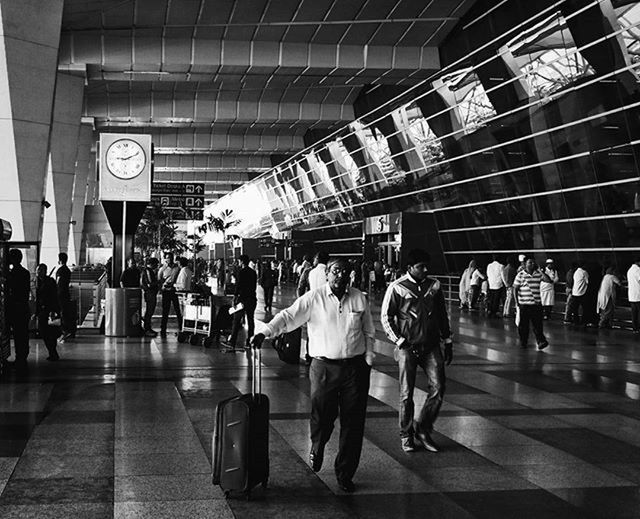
<point x="83" y="163"/>
<point x="29" y="38"/>
<point x="63" y="145"/>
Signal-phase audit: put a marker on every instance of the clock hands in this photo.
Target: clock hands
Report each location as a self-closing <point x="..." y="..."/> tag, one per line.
<point x="130" y="156"/>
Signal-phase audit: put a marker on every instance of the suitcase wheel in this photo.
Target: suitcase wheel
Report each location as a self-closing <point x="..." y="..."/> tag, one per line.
<point x="182" y="337"/>
<point x="194" y="340"/>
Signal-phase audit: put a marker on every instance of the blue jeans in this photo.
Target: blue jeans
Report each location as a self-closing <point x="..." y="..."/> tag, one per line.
<point x="432" y="363"/>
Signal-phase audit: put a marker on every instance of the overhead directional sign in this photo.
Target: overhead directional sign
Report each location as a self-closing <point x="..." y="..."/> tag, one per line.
<point x="184" y="214"/>
<point x="178" y="188"/>
<point x="181" y="200"/>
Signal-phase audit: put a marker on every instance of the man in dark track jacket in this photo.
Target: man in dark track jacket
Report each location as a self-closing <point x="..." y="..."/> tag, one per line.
<point x="414" y="317"/>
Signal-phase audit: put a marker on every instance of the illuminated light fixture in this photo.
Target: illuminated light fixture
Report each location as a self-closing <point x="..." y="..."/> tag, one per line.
<point x="148" y="72"/>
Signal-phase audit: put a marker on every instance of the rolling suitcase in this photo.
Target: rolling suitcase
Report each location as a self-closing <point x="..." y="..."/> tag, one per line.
<point x="287" y="346"/>
<point x="240" y="447"/>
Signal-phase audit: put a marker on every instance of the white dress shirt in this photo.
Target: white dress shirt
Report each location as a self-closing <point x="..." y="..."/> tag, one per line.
<point x="183" y="282"/>
<point x="580" y="282"/>
<point x="337" y="329"/>
<point x="633" y="279"/>
<point x="317" y="276"/>
<point x="494" y="275"/>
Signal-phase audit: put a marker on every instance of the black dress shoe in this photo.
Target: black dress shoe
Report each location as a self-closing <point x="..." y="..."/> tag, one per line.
<point x="315" y="460"/>
<point x="346" y="485"/>
<point x="425" y="440"/>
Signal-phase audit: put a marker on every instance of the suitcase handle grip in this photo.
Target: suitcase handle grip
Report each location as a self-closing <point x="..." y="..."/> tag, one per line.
<point x="256" y="371"/>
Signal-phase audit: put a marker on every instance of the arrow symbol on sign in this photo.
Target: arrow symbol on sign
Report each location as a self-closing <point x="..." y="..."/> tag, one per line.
<point x="198" y="202"/>
<point x="199" y="188"/>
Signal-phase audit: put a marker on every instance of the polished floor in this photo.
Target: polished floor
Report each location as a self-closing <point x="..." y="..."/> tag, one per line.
<point x="122" y="428"/>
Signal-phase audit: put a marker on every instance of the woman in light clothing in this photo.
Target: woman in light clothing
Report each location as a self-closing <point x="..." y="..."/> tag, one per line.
<point x="547" y="290"/>
<point x="465" y="284"/>
<point x="607" y="298"/>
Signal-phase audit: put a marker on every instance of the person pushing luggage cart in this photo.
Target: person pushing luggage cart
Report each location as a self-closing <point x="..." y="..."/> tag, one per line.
<point x="339" y="321"/>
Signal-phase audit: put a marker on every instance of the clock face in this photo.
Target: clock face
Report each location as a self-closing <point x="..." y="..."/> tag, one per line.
<point x="125" y="159"/>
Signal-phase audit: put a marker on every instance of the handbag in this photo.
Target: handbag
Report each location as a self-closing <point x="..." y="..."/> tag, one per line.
<point x="54" y="320"/>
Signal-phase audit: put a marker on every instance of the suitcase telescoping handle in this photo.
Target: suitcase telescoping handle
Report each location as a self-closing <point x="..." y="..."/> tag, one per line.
<point x="256" y="370"/>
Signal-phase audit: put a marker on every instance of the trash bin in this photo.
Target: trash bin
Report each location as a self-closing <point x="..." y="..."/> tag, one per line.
<point x="123" y="310"/>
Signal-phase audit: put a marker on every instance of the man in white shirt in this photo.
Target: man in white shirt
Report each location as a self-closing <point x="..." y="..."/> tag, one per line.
<point x="318" y="274"/>
<point x="633" y="281"/>
<point x="580" y="284"/>
<point x="496" y="286"/>
<point x="185" y="276"/>
<point x="339" y="320"/>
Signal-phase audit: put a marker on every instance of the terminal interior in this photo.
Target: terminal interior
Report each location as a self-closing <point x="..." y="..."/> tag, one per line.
<point x="364" y="129"/>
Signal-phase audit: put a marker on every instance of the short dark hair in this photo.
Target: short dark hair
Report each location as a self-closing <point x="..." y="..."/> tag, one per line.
<point x="323" y="257"/>
<point x="416" y="256"/>
<point x="244" y="259"/>
<point x="63" y="257"/>
<point x="15" y="255"/>
<point x="183" y="261"/>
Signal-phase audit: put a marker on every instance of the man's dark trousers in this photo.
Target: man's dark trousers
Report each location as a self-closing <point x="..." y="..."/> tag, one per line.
<point x="339" y="387"/>
<point x="150" y="301"/>
<point x="493" y="302"/>
<point x="168" y="297"/>
<point x="531" y="314"/>
<point x="248" y="311"/>
<point x="18" y="320"/>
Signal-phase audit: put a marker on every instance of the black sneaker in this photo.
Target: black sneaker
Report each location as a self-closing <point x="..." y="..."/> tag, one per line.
<point x="315" y="460"/>
<point x="346" y="485"/>
<point x="542" y="346"/>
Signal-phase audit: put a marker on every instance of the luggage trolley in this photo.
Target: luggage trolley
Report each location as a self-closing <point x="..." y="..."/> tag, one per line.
<point x="197" y="313"/>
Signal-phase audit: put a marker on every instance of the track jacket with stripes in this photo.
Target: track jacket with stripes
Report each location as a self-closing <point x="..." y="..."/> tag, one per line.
<point x="415" y="312"/>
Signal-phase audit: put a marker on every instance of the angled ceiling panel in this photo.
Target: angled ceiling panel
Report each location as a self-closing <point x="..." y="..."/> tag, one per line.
<point x="226" y="83"/>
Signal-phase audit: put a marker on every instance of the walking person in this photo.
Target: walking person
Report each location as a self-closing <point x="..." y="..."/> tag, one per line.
<point x="245" y="294"/>
<point x="268" y="280"/>
<point x="496" y="286"/>
<point x="63" y="281"/>
<point x="526" y="288"/>
<point x="568" y="290"/>
<point x="339" y="321"/>
<point x="414" y="317"/>
<point x="475" y="288"/>
<point x="465" y="285"/>
<point x="47" y="307"/>
<point x="150" y="287"/>
<point x="167" y="277"/>
<point x="17" y="308"/>
<point x="607" y="298"/>
<point x="633" y="282"/>
<point x="547" y="290"/>
<point x="508" y="275"/>
<point x="577" y="303"/>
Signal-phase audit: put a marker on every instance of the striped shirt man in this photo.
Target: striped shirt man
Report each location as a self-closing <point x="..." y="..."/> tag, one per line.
<point x="528" y="287"/>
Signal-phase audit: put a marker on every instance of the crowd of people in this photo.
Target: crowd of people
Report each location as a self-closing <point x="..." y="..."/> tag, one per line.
<point x="54" y="317"/>
<point x="590" y="290"/>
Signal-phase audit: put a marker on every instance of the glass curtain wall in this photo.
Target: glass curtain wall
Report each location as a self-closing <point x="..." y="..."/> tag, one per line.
<point x="554" y="172"/>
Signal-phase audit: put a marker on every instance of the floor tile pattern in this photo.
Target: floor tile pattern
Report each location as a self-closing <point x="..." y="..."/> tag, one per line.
<point x="122" y="428"/>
